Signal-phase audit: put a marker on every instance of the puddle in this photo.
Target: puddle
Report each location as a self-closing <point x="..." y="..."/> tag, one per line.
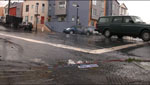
<point x="145" y="65"/>
<point x="10" y="50"/>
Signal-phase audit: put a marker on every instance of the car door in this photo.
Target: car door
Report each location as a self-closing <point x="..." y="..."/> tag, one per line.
<point x="129" y="27"/>
<point x="116" y="25"/>
<point x="102" y="24"/>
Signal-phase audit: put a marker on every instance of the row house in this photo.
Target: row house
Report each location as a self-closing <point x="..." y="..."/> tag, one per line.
<point x="66" y="13"/>
<point x="123" y="10"/>
<point x="35" y="11"/>
<point x="112" y="8"/>
<point x="16" y="9"/>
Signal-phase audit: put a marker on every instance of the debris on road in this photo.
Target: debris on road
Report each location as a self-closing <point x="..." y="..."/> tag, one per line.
<point x="71" y="62"/>
<point x="88" y="66"/>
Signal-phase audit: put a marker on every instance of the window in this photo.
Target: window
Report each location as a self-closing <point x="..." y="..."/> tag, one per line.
<point x="73" y="18"/>
<point x="117" y="20"/>
<point x="92" y="23"/>
<point x="43" y="8"/>
<point x="50" y="7"/>
<point x="103" y="20"/>
<point x="102" y="2"/>
<point x="62" y="4"/>
<point x="31" y="18"/>
<point x="32" y="6"/>
<point x="127" y="19"/>
<point x="61" y="18"/>
<point x="26" y="18"/>
<point x="27" y="8"/>
<point x="94" y="12"/>
<point x="94" y="2"/>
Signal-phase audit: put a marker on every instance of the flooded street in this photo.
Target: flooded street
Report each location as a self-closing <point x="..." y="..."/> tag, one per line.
<point x="57" y="58"/>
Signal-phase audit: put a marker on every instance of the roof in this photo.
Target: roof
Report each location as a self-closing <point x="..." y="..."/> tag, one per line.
<point x="124" y="5"/>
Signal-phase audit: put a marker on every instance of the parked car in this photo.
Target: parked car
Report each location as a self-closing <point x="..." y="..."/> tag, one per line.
<point x="79" y="30"/>
<point x="123" y="26"/>
<point x="27" y="26"/>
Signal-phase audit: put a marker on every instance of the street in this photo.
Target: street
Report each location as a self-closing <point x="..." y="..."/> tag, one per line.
<point x="46" y="58"/>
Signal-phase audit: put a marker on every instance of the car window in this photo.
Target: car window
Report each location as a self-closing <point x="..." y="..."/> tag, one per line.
<point x="127" y="19"/>
<point x="103" y="20"/>
<point x="117" y="20"/>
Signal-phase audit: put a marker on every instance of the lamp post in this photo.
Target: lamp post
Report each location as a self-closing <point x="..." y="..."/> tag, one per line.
<point x="77" y="20"/>
<point x="77" y="15"/>
<point x="37" y="4"/>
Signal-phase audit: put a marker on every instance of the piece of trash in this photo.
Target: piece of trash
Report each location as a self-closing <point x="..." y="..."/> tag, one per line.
<point x="71" y="62"/>
<point x="79" y="62"/>
<point x="88" y="66"/>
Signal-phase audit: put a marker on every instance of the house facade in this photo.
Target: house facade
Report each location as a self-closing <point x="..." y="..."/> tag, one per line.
<point x="16" y="9"/>
<point x="123" y="9"/>
<point x="66" y="13"/>
<point x="35" y="11"/>
<point x="1" y="11"/>
<point x="112" y="7"/>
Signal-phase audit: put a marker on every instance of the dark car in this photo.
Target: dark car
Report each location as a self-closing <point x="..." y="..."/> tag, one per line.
<point x="79" y="30"/>
<point x="27" y="26"/>
<point x="123" y="26"/>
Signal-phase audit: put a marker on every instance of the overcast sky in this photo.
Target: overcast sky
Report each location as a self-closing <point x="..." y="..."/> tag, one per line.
<point x="139" y="8"/>
<point x="135" y="7"/>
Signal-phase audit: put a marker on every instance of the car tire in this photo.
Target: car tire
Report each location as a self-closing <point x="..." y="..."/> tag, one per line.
<point x="145" y="35"/>
<point x="71" y="32"/>
<point x="107" y="33"/>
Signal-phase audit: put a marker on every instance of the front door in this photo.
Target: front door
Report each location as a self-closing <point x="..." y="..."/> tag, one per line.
<point x="42" y="19"/>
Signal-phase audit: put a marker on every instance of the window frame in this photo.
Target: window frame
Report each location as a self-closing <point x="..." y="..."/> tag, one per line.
<point x="27" y="8"/>
<point x="105" y="18"/>
<point x="117" y="22"/>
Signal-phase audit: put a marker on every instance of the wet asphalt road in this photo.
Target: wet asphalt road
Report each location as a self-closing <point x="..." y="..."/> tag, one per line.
<point x="13" y="49"/>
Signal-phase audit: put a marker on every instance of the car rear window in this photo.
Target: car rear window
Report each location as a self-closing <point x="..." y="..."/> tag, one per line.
<point x="103" y="20"/>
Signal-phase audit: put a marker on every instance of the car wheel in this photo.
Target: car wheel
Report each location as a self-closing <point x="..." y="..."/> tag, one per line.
<point x="120" y="36"/>
<point x="107" y="34"/>
<point x="71" y="32"/>
<point x="145" y="35"/>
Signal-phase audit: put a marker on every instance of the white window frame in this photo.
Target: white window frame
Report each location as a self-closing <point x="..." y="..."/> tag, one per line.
<point x="62" y="5"/>
<point x="94" y="12"/>
<point x="94" y="2"/>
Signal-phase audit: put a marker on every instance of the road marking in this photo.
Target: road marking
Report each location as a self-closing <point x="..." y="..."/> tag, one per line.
<point x="97" y="51"/>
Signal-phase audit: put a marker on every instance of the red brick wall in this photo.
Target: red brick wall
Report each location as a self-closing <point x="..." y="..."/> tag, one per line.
<point x="12" y="11"/>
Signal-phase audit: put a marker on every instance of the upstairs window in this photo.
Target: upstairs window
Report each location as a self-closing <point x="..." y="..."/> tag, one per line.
<point x="94" y="2"/>
<point x="43" y="8"/>
<point x="94" y="12"/>
<point x="27" y="8"/>
<point x="62" y="4"/>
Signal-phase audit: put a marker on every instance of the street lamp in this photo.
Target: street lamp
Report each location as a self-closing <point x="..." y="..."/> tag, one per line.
<point x="37" y="4"/>
<point x="77" y="18"/>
